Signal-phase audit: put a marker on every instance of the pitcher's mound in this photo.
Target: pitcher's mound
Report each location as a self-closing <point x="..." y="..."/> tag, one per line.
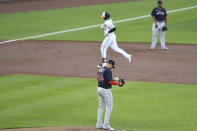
<point x="56" y="129"/>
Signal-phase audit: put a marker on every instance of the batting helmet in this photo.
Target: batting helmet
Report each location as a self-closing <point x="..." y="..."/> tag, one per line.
<point x="105" y="15"/>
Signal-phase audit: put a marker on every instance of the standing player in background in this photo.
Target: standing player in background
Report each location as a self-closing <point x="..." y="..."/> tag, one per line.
<point x="110" y="39"/>
<point x="105" y="82"/>
<point x="159" y="25"/>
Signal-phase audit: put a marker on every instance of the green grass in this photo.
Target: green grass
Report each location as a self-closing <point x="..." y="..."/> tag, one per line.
<point x="34" y="101"/>
<point x="182" y="25"/>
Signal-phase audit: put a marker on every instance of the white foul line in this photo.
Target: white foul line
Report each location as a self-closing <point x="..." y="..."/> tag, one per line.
<point x="93" y="26"/>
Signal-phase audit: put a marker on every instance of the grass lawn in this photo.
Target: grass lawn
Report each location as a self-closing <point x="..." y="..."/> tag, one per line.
<point x="34" y="101"/>
<point x="182" y="25"/>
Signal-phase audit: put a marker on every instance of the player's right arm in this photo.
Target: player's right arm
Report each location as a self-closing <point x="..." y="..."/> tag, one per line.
<point x="154" y="20"/>
<point x="153" y="14"/>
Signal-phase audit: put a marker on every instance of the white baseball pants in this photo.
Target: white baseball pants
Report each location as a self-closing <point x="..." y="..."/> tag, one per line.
<point x="162" y="35"/>
<point x="110" y="41"/>
<point x="105" y="100"/>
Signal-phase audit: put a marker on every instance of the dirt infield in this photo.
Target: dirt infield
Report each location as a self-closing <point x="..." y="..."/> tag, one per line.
<point x="79" y="59"/>
<point x="11" y="6"/>
<point x="56" y="129"/>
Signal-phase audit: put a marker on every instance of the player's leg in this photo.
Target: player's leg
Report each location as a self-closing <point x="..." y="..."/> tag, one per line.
<point x="104" y="46"/>
<point x="154" y="37"/>
<point x="162" y="40"/>
<point x="115" y="47"/>
<point x="109" y="105"/>
<point x="101" y="108"/>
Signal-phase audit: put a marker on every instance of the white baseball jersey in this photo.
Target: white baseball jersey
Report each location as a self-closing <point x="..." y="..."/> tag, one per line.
<point x="110" y="41"/>
<point x="108" y="25"/>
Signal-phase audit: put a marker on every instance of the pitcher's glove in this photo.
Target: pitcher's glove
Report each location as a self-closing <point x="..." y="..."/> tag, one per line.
<point x="121" y="82"/>
<point x="165" y="28"/>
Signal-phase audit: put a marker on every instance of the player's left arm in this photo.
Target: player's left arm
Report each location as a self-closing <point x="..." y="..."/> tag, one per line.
<point x="166" y="22"/>
<point x="112" y="28"/>
<point x="110" y="80"/>
<point x="119" y="81"/>
<point x="165" y="18"/>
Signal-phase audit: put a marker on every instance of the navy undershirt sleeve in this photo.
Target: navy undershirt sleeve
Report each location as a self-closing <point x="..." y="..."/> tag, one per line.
<point x="165" y="14"/>
<point x="153" y="13"/>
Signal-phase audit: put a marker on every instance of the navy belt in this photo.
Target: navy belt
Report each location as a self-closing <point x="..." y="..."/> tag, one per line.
<point x="160" y="21"/>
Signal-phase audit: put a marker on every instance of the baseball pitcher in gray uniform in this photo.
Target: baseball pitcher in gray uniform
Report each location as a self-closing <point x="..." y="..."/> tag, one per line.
<point x="105" y="82"/>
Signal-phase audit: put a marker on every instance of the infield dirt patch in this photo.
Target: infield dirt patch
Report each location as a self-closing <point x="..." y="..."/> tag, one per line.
<point x="79" y="59"/>
<point x="56" y="129"/>
<point x="11" y="6"/>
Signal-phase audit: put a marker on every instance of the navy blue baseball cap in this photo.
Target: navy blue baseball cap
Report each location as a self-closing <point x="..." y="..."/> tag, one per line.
<point x="160" y="2"/>
<point x="112" y="62"/>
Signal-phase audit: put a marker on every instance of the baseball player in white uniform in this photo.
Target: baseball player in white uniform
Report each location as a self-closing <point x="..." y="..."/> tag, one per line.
<point x="110" y="39"/>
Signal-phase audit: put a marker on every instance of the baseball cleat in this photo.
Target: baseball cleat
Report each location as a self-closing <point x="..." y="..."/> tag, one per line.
<point x="130" y="59"/>
<point x="165" y="48"/>
<point x="108" y="128"/>
<point x="99" y="125"/>
<point x="151" y="48"/>
<point x="99" y="66"/>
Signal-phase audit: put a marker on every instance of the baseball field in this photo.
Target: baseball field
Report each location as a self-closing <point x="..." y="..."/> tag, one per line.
<point x="48" y="56"/>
